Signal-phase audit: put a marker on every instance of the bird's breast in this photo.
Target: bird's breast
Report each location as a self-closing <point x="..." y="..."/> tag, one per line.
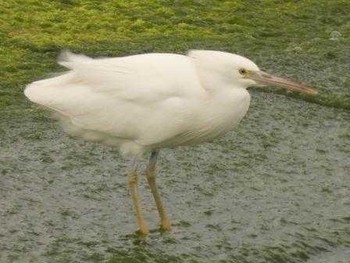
<point x="226" y="110"/>
<point x="215" y="117"/>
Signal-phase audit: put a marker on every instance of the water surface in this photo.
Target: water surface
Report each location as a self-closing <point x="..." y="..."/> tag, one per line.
<point x="275" y="190"/>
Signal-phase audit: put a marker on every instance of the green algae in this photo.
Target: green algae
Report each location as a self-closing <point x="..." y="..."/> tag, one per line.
<point x="291" y="37"/>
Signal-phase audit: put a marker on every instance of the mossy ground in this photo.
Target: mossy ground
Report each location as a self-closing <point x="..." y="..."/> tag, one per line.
<point x="286" y="37"/>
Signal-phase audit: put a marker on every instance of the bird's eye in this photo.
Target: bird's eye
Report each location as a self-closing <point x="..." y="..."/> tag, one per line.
<point x="243" y="71"/>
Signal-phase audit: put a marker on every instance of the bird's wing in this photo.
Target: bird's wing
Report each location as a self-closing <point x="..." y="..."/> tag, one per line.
<point x="121" y="96"/>
<point x="143" y="78"/>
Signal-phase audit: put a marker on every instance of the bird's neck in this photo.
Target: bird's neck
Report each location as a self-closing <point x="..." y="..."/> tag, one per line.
<point x="228" y="105"/>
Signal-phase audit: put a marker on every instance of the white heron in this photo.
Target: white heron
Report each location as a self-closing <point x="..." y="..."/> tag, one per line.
<point x="146" y="102"/>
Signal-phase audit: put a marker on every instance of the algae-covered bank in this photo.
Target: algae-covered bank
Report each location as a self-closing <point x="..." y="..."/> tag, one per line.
<point x="277" y="189"/>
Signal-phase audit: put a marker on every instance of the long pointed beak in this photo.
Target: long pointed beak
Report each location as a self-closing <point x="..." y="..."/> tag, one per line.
<point x="263" y="78"/>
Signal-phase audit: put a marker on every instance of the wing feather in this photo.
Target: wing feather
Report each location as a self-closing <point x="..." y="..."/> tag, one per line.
<point x="127" y="97"/>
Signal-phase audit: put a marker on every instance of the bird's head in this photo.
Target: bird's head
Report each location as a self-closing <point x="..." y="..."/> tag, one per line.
<point x="242" y="72"/>
<point x="249" y="74"/>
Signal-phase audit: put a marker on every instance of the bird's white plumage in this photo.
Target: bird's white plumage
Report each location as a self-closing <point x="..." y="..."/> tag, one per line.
<point x="147" y="102"/>
<point x="150" y="101"/>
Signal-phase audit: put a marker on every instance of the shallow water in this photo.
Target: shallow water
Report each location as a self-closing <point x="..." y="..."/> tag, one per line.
<point x="275" y="190"/>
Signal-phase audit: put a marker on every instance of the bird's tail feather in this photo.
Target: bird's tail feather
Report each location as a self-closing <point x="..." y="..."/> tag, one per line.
<point x="70" y="60"/>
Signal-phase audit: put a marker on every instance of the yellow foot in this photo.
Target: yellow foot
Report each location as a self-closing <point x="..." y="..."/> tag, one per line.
<point x="142" y="232"/>
<point x="165" y="225"/>
<point x="143" y="228"/>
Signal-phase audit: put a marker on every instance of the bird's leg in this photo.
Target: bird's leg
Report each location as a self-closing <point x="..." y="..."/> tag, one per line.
<point x="133" y="188"/>
<point x="150" y="174"/>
